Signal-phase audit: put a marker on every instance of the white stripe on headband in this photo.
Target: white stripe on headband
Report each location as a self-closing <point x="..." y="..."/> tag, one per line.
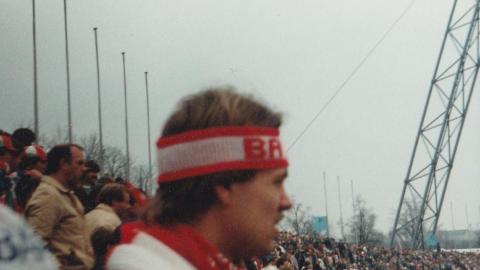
<point x="207" y="151"/>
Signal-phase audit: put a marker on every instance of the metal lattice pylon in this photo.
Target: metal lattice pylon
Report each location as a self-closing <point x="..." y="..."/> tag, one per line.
<point x="440" y="129"/>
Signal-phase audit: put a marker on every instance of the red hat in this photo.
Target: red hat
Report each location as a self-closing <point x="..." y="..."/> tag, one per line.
<point x="35" y="150"/>
<point x="6" y="142"/>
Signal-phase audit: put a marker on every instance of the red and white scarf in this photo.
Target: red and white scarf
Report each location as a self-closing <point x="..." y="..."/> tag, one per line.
<point x="185" y="241"/>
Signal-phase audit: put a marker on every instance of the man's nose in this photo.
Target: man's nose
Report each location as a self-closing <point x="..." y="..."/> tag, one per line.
<point x="285" y="202"/>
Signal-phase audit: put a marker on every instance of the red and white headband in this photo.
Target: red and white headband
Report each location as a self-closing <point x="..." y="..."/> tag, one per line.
<point x="206" y="151"/>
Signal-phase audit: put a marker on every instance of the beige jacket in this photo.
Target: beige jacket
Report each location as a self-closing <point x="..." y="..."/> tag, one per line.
<point x="102" y="217"/>
<point x="57" y="216"/>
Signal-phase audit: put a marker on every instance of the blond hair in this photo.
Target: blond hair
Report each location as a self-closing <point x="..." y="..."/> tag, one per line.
<point x="182" y="201"/>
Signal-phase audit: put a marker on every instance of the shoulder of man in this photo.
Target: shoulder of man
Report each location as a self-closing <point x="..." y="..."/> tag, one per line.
<point x="146" y="253"/>
<point x="45" y="191"/>
<point x="44" y="209"/>
<point x="104" y="217"/>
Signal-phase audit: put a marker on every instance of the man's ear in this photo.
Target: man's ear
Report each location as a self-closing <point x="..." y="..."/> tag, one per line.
<point x="224" y="195"/>
<point x="63" y="163"/>
<point x="114" y="204"/>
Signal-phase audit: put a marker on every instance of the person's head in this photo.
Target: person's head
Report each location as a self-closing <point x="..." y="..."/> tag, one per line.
<point x="66" y="162"/>
<point x="7" y="148"/>
<point x="212" y="157"/>
<point x="90" y="175"/>
<point x="283" y="263"/>
<point x="102" y="239"/>
<point x="116" y="196"/>
<point x="24" y="137"/>
<point x="269" y="260"/>
<point x="33" y="157"/>
<point x="104" y="180"/>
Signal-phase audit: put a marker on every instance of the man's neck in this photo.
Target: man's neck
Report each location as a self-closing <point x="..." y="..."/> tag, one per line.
<point x="211" y="227"/>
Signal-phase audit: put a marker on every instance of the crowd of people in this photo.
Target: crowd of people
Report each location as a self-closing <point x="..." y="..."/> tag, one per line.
<point x="302" y="252"/>
<point x="63" y="199"/>
<point x="220" y="197"/>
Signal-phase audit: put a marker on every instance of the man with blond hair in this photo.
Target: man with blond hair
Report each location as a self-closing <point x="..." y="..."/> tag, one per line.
<point x="221" y="192"/>
<point x="113" y="203"/>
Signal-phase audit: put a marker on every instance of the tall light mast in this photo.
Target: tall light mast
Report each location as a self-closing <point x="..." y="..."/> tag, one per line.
<point x="440" y="129"/>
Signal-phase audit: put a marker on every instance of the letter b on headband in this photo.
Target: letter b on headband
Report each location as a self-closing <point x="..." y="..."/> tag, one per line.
<point x="206" y="151"/>
<point x="262" y="148"/>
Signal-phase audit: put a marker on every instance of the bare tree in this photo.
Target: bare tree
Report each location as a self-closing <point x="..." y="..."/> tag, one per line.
<point x="91" y="145"/>
<point x="299" y="219"/>
<point x="408" y="217"/>
<point x="362" y="225"/>
<point x="142" y="178"/>
<point x="114" y="160"/>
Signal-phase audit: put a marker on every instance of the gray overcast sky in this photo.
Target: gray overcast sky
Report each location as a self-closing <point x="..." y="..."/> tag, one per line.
<point x="292" y="55"/>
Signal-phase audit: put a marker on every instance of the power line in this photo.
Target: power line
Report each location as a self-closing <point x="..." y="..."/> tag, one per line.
<point x="350" y="76"/>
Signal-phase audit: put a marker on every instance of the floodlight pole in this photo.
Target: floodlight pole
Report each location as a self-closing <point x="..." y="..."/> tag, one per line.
<point x="326" y="201"/>
<point x="100" y="133"/>
<point x="35" y="80"/>
<point x="148" y="129"/>
<point x="127" y="170"/>
<point x="69" y="102"/>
